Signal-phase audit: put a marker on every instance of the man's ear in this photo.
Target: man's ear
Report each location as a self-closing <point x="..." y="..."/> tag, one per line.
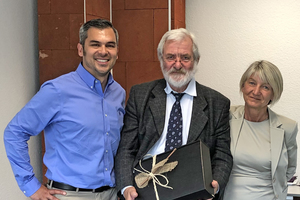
<point x="80" y="49"/>
<point x="117" y="52"/>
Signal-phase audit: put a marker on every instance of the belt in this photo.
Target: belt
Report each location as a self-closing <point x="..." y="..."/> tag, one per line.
<point x="67" y="187"/>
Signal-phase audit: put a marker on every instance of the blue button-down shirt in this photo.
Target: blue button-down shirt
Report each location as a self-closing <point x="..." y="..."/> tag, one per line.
<point x="82" y="127"/>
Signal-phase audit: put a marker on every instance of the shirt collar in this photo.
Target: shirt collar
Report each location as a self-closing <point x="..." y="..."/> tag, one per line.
<point x="89" y="79"/>
<point x="190" y="90"/>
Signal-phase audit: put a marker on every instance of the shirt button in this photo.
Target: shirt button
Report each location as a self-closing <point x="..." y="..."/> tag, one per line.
<point x="106" y="169"/>
<point x="106" y="133"/>
<point x="106" y="151"/>
<point x="96" y="81"/>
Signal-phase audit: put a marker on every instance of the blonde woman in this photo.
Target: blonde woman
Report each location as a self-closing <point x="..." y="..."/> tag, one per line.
<point x="263" y="143"/>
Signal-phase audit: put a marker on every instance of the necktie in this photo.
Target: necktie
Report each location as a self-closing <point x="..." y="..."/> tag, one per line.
<point x="174" y="132"/>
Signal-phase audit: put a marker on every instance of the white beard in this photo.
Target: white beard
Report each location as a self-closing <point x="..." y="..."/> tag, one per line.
<point x="179" y="79"/>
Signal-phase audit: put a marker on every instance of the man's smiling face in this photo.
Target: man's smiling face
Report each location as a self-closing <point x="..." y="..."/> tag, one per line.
<point x="100" y="52"/>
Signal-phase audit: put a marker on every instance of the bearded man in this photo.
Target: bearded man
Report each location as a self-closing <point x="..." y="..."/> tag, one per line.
<point x="205" y="115"/>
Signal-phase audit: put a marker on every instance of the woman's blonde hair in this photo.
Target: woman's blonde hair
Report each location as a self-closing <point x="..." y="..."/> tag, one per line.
<point x="269" y="74"/>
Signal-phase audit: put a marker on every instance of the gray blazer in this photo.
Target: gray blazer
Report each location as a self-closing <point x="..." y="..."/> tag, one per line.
<point x="283" y="132"/>
<point x="144" y="123"/>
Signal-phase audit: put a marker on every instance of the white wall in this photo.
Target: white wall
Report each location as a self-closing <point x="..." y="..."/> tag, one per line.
<point x="18" y="81"/>
<point x="232" y="34"/>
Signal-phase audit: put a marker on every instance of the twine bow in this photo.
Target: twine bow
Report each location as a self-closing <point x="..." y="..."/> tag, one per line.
<point x="143" y="178"/>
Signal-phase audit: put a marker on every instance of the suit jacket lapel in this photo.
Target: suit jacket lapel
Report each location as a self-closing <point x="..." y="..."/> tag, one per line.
<point x="157" y="106"/>
<point x="277" y="137"/>
<point x="235" y="126"/>
<point x="199" y="118"/>
<point x="236" y="122"/>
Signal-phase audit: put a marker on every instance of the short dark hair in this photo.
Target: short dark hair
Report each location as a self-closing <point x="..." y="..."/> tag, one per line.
<point x="96" y="23"/>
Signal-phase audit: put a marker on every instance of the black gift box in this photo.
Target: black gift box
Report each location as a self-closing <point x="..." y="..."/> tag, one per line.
<point x="190" y="179"/>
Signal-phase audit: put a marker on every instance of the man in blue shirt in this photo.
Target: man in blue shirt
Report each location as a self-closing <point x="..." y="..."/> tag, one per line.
<point x="81" y="114"/>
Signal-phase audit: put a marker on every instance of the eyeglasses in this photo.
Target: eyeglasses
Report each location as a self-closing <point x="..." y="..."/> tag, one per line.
<point x="182" y="58"/>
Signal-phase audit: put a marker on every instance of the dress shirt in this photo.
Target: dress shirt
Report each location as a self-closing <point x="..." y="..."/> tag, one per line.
<point x="82" y="131"/>
<point x="186" y="103"/>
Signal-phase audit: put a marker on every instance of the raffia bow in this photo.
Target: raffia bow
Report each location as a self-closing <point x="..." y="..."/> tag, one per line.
<point x="143" y="178"/>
